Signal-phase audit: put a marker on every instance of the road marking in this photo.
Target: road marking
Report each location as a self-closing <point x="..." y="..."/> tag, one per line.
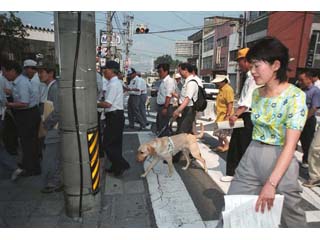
<point x="171" y="202"/>
<point x="211" y="224"/>
<point x="313" y="216"/>
<point x="310" y="196"/>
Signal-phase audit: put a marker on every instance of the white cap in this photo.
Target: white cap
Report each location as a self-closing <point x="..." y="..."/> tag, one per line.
<point x="220" y="78"/>
<point x="177" y="75"/>
<point x="29" y="63"/>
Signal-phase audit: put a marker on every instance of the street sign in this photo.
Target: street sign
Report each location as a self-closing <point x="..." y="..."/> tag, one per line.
<point x="115" y="41"/>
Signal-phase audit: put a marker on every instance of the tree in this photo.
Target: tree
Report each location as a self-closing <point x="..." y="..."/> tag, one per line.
<point x="12" y="35"/>
<point x="166" y="59"/>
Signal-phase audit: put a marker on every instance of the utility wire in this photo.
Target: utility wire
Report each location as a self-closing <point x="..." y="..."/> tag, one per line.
<point x="182" y="19"/>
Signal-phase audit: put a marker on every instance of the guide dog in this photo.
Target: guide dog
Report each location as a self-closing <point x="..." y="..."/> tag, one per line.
<point x="166" y="147"/>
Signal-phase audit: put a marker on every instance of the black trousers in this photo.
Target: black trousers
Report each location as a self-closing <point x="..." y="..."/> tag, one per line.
<point x="162" y="121"/>
<point x="307" y="136"/>
<point x="112" y="139"/>
<point x="240" y="140"/>
<point x="27" y="121"/>
<point x="185" y="122"/>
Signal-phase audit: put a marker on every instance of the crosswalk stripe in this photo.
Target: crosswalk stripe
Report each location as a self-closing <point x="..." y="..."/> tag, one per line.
<point x="211" y="224"/>
<point x="313" y="216"/>
<point x="171" y="202"/>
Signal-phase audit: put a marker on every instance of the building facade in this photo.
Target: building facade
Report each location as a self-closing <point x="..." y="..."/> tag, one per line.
<point x="38" y="44"/>
<point x="299" y="31"/>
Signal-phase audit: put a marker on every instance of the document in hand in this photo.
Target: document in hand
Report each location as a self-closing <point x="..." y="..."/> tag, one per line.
<point x="240" y="212"/>
<point x="226" y="125"/>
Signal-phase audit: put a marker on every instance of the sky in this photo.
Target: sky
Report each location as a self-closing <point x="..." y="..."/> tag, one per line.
<point x="146" y="47"/>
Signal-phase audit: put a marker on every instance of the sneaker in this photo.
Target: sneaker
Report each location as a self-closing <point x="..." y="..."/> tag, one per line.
<point x="226" y="178"/>
<point x="305" y="165"/>
<point x="16" y="173"/>
<point x="311" y="183"/>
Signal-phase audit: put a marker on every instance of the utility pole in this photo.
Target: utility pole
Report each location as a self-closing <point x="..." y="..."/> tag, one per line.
<point x="78" y="112"/>
<point x="244" y="30"/>
<point x="128" y="38"/>
<point x="109" y="35"/>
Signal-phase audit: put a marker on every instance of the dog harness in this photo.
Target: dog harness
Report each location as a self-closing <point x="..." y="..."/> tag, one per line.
<point x="170" y="146"/>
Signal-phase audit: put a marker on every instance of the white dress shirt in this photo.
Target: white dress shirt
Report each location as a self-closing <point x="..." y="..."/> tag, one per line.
<point x="190" y="90"/>
<point x="142" y="85"/>
<point x="317" y="83"/>
<point x="166" y="88"/>
<point x="246" y="92"/>
<point x="114" y="94"/>
<point x="134" y="83"/>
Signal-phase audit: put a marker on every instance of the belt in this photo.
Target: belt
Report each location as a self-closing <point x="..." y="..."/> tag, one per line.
<point x="114" y="112"/>
<point x="263" y="143"/>
<point x="26" y="109"/>
<point x="161" y="105"/>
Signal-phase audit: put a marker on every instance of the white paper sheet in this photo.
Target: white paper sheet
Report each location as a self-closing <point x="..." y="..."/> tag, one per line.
<point x="225" y="124"/>
<point x="240" y="212"/>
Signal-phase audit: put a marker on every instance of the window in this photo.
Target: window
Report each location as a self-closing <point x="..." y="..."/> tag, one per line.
<point x="208" y="44"/>
<point x="222" y="42"/>
<point x="207" y="62"/>
<point x="233" y="55"/>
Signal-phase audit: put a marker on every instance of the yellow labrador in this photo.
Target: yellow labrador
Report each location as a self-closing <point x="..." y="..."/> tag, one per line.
<point x="166" y="147"/>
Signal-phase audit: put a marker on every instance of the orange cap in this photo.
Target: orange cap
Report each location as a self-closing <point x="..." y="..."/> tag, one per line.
<point x="242" y="53"/>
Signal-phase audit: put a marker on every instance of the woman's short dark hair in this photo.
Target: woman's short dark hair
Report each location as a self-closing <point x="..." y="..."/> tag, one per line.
<point x="270" y="49"/>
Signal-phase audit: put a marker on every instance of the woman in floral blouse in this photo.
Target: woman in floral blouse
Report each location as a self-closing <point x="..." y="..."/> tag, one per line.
<point x="278" y="113"/>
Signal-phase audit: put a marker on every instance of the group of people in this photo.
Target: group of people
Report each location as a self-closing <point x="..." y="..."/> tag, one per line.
<point x="260" y="158"/>
<point x="24" y="95"/>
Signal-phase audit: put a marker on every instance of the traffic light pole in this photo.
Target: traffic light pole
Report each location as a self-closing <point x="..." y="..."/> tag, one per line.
<point x="78" y="114"/>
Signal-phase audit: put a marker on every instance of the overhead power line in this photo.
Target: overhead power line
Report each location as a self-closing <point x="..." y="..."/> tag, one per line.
<point x="182" y="19"/>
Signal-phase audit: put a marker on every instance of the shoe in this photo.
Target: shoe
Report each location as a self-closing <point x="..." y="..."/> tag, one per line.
<point x="220" y="149"/>
<point x="305" y="165"/>
<point x="59" y="188"/>
<point x="311" y="183"/>
<point x="109" y="170"/>
<point x="226" y="178"/>
<point x="48" y="189"/>
<point x="16" y="173"/>
<point x="119" y="173"/>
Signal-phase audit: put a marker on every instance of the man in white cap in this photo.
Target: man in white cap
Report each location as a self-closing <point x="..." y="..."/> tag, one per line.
<point x="134" y="89"/>
<point x="27" y="117"/>
<point x="39" y="88"/>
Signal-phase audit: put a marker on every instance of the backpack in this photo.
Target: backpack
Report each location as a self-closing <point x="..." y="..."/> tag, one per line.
<point x="201" y="104"/>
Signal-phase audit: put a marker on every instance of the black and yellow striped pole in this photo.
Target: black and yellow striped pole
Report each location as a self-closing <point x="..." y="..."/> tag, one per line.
<point x="93" y="147"/>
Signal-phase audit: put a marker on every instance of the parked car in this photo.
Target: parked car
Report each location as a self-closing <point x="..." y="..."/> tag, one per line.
<point x="211" y="90"/>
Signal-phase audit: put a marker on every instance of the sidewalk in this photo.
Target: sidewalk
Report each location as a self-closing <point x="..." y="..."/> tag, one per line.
<point x="124" y="200"/>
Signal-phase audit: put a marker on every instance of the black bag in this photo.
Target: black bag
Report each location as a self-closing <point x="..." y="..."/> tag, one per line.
<point x="201" y="104"/>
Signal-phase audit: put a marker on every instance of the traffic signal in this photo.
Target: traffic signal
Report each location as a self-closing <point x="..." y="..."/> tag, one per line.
<point x="142" y="29"/>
